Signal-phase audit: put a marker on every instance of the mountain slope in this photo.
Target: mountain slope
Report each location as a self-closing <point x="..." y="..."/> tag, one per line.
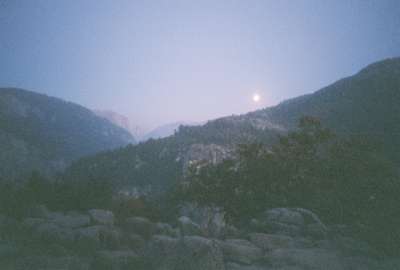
<point x="367" y="103"/>
<point x="45" y="133"/>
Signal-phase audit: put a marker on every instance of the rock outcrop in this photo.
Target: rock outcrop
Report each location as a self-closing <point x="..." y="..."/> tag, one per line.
<point x="199" y="155"/>
<point x="278" y="239"/>
<point x="102" y="217"/>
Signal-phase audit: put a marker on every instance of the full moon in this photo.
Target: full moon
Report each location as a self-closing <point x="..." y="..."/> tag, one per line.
<point x="256" y="98"/>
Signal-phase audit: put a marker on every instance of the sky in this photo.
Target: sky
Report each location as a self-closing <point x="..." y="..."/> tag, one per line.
<point x="159" y="62"/>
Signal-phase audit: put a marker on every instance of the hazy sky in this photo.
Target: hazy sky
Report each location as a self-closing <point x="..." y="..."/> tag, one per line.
<point x="164" y="61"/>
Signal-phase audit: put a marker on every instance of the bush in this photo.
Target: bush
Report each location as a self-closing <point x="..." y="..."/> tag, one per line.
<point x="17" y="198"/>
<point x="82" y="195"/>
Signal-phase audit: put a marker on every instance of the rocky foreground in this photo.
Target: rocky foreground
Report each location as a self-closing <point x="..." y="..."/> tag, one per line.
<point x="280" y="239"/>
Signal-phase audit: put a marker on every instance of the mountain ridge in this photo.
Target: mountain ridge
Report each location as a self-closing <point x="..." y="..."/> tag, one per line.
<point x="40" y="132"/>
<point x="167" y="130"/>
<point x="364" y="103"/>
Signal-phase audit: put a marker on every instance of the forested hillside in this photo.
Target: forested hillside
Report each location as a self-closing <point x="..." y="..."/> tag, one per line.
<point x="366" y="104"/>
<point x="43" y="133"/>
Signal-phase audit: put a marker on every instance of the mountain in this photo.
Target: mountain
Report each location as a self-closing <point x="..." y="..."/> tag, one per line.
<point x="367" y="103"/>
<point x="166" y="130"/>
<point x="115" y="118"/>
<point x="118" y="120"/>
<point x="38" y="132"/>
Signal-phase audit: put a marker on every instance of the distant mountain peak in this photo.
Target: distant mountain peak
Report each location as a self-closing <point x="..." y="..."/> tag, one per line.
<point x="167" y="130"/>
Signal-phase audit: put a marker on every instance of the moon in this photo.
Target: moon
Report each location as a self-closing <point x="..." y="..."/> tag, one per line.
<point x="256" y="98"/>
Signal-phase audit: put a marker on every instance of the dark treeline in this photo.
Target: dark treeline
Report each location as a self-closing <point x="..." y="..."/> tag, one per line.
<point x="17" y="199"/>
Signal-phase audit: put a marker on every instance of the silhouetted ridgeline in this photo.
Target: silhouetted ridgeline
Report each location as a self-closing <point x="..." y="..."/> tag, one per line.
<point x="38" y="132"/>
<point x="366" y="104"/>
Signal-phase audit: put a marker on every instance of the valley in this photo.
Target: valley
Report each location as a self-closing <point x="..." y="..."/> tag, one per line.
<point x="311" y="183"/>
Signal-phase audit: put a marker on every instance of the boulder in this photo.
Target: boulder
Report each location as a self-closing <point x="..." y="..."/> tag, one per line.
<point x="188" y="227"/>
<point x="112" y="237"/>
<point x="284" y="216"/>
<point x="165" y="229"/>
<point x="201" y="253"/>
<point x="290" y="221"/>
<point x="97" y="236"/>
<point x="241" y="251"/>
<point x="89" y="238"/>
<point x="189" y="253"/>
<point x="160" y="251"/>
<point x="115" y="260"/>
<point x="102" y="217"/>
<point x="282" y="228"/>
<point x="135" y="241"/>
<point x="231" y="231"/>
<point x="51" y="232"/>
<point x="211" y="220"/>
<point x="318" y="259"/>
<point x="140" y="225"/>
<point x="310" y="217"/>
<point x="72" y="221"/>
<point x="271" y="241"/>
<point x="162" y="246"/>
<point x="235" y="266"/>
<point x="316" y="231"/>
<point x="314" y="226"/>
